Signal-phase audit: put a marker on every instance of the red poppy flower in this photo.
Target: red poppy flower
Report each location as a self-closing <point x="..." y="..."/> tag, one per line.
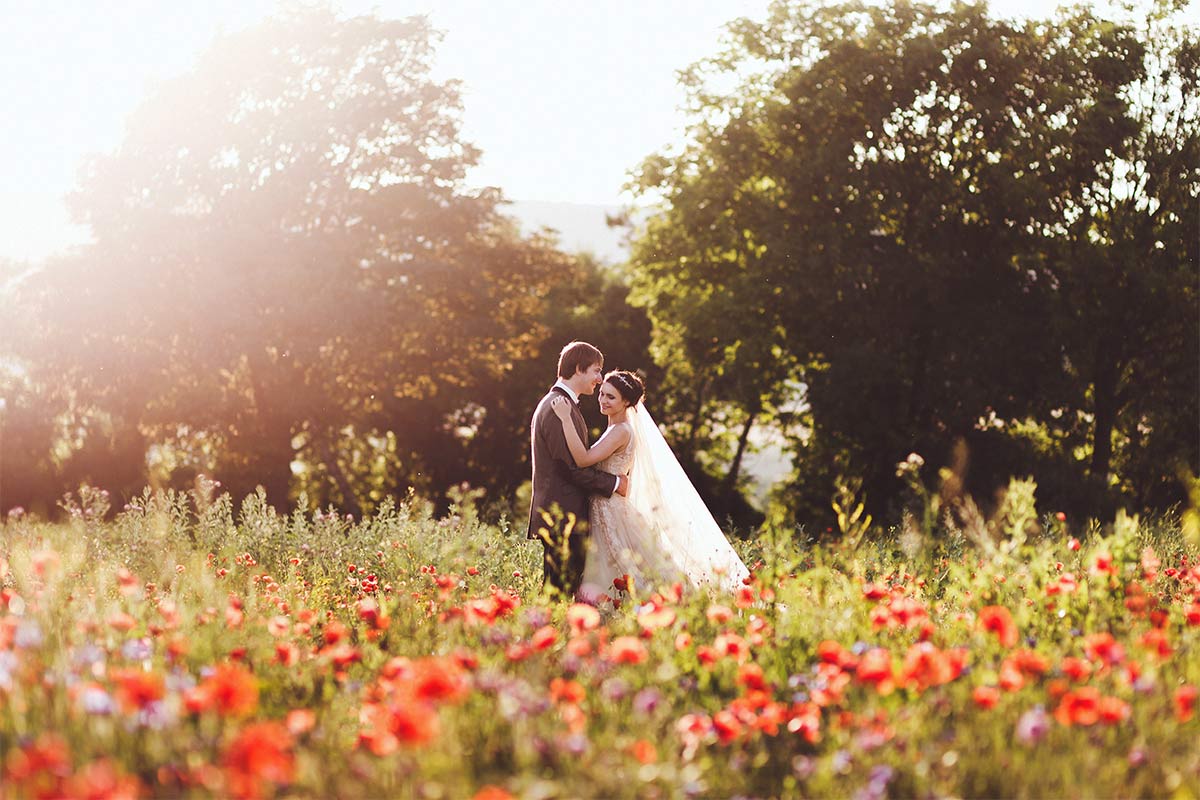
<point x="876" y="667"/>
<point x="258" y="757"/>
<point x="627" y="650"/>
<point x="644" y="751"/>
<point x="583" y="617"/>
<point x="1076" y="669"/>
<point x="1079" y="707"/>
<point x="232" y="690"/>
<point x="1185" y="702"/>
<point x="567" y="691"/>
<point x="438" y="680"/>
<point x="137" y="688"/>
<point x="544" y="637"/>
<point x="751" y="676"/>
<point x="998" y="620"/>
<point x="986" y="696"/>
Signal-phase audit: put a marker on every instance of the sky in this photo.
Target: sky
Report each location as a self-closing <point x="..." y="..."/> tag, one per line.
<point x="564" y="97"/>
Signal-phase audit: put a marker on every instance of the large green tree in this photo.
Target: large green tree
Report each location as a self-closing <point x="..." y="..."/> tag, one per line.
<point x="871" y="229"/>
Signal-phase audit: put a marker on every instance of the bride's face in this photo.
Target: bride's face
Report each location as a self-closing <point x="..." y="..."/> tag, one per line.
<point x="610" y="400"/>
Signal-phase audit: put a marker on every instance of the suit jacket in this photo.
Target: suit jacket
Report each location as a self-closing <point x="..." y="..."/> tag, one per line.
<point x="556" y="479"/>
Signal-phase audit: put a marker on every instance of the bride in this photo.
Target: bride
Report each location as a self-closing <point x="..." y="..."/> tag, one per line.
<point x="661" y="532"/>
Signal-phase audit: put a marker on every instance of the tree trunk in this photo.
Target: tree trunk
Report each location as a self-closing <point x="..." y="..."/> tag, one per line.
<point x="729" y="485"/>
<point x="1104" y="389"/>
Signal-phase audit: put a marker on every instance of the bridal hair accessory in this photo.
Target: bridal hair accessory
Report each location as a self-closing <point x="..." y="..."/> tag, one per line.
<point x="631" y="387"/>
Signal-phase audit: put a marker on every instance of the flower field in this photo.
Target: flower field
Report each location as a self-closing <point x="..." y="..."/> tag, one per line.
<point x="187" y="648"/>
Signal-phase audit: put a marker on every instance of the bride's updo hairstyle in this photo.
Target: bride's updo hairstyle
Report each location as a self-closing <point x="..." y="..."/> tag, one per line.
<point x="629" y="386"/>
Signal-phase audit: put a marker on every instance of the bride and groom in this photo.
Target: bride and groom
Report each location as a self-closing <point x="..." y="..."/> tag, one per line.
<point x="622" y="508"/>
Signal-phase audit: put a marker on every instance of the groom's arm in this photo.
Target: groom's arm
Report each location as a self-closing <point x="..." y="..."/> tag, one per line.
<point x="595" y="481"/>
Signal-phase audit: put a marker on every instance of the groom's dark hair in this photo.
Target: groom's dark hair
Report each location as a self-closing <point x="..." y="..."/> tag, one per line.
<point x="577" y="356"/>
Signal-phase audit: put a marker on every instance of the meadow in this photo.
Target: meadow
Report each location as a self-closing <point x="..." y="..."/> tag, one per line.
<point x="187" y="645"/>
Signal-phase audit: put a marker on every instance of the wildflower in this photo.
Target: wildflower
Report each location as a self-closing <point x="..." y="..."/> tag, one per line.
<point x="751" y="677"/>
<point x="654" y="616"/>
<point x="998" y="620"/>
<point x="1032" y="726"/>
<point x="1185" y="702"/>
<point x="1079" y="707"/>
<point x="718" y="614"/>
<point x="1157" y="643"/>
<point x="730" y="645"/>
<point x="136" y="689"/>
<point x="260" y="755"/>
<point x="627" y="650"/>
<point x="986" y="696"/>
<point x="300" y="720"/>
<point x="644" y="751"/>
<point x="490" y="792"/>
<point x="647" y="700"/>
<point x="1076" y="669"/>
<point x="231" y="690"/>
<point x="727" y="726"/>
<point x="438" y="680"/>
<point x="1073" y="544"/>
<point x="544" y="637"/>
<point x="1103" y="647"/>
<point x="567" y="691"/>
<point x="583" y="617"/>
<point x="876" y="667"/>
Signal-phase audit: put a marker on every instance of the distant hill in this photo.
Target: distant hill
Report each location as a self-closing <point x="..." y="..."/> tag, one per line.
<point x="581" y="227"/>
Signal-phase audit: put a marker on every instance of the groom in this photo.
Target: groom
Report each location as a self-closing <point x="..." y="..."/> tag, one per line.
<point x="559" y="513"/>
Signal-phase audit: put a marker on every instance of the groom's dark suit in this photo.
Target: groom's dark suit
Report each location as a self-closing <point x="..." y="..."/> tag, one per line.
<point x="560" y="486"/>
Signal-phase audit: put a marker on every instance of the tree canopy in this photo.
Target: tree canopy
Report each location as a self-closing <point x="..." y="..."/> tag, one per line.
<point x="910" y="226"/>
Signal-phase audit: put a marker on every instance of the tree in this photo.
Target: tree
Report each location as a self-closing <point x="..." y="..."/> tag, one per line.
<point x="287" y="272"/>
<point x="868" y="219"/>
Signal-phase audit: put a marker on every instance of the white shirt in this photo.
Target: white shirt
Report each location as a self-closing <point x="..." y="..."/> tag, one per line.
<point x="575" y="399"/>
<point x="570" y="392"/>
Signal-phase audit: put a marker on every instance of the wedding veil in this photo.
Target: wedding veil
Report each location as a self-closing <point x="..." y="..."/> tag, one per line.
<point x="660" y="490"/>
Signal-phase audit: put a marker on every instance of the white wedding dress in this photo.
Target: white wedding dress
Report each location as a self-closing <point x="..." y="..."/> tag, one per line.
<point x="661" y="532"/>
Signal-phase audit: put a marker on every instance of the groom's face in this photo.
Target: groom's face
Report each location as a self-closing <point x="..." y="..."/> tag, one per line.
<point x="595" y="377"/>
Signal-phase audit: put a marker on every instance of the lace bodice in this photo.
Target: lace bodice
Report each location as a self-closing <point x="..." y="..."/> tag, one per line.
<point x="619" y="462"/>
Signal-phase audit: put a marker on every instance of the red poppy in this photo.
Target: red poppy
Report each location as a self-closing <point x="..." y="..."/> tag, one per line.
<point x="1076" y="669"/>
<point x="751" y="677"/>
<point x="1079" y="707"/>
<point x="998" y="620"/>
<point x="1103" y="647"/>
<point x="1157" y="643"/>
<point x="544" y="637"/>
<point x="567" y="691"/>
<point x="231" y="689"/>
<point x="654" y="616"/>
<point x="727" y="726"/>
<point x="101" y="780"/>
<point x="1185" y="702"/>
<point x="986" y="696"/>
<point x="806" y="721"/>
<point x="627" y="650"/>
<point x="492" y="793"/>
<point x="260" y="756"/>
<point x="876" y="667"/>
<point x="438" y="680"/>
<point x="137" y="688"/>
<point x="644" y="751"/>
<point x="583" y="617"/>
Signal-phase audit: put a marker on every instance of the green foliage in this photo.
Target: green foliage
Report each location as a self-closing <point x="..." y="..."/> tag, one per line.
<point x="917" y="225"/>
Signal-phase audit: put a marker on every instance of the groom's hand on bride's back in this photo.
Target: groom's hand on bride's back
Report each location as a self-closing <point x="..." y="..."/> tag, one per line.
<point x="622" y="485"/>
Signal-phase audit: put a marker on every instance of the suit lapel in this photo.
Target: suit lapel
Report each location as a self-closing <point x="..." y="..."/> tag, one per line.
<point x="576" y="414"/>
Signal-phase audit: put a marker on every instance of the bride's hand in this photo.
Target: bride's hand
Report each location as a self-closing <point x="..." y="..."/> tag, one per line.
<point x="562" y="407"/>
